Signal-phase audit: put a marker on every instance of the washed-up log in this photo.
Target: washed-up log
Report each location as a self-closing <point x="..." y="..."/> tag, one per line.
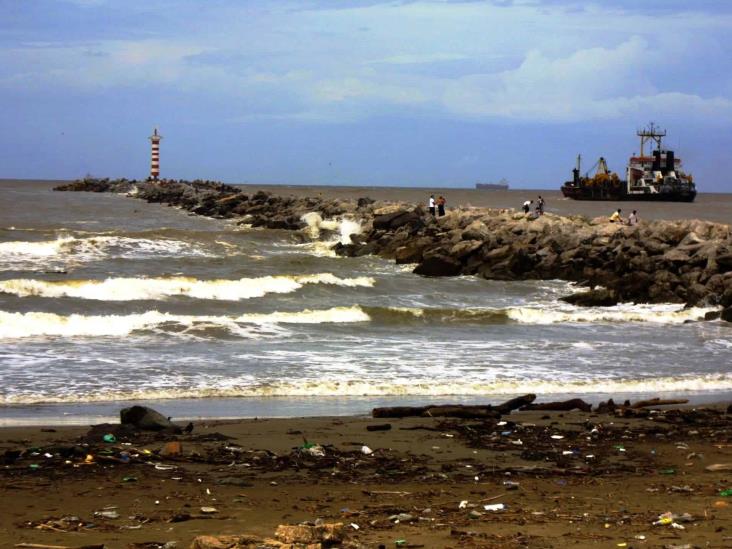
<point x="443" y="410"/>
<point x="399" y="411"/>
<point x="658" y="402"/>
<point x="516" y="403"/>
<point x="455" y="410"/>
<point x="467" y="412"/>
<point x="379" y="427"/>
<point x="560" y="406"/>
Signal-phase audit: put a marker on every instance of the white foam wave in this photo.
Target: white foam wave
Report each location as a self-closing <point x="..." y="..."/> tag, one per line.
<point x="656" y="314"/>
<point x="127" y="289"/>
<point x="34" y="324"/>
<point x="34" y="254"/>
<point x="22" y="249"/>
<point x="378" y="388"/>
<point x="344" y="226"/>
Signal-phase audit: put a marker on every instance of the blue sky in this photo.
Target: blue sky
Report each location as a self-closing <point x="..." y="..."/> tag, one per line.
<point x="362" y="92"/>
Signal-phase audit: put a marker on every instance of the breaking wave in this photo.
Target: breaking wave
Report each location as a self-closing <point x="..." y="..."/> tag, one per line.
<point x="554" y="314"/>
<point x="341" y="230"/>
<point x="15" y="255"/>
<point x="128" y="289"/>
<point x="34" y="324"/>
<point x="31" y="324"/>
<point x="380" y="388"/>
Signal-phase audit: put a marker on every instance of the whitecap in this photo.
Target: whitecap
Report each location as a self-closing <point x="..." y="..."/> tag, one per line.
<point x="128" y="289"/>
<point x="35" y="324"/>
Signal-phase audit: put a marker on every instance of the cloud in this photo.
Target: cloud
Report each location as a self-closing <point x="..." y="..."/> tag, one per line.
<point x="524" y="60"/>
<point x="418" y="59"/>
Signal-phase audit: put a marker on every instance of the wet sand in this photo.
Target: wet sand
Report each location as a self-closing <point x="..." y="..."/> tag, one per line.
<point x="566" y="479"/>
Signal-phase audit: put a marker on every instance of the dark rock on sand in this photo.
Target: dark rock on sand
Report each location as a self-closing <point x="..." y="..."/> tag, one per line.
<point x="147" y="419"/>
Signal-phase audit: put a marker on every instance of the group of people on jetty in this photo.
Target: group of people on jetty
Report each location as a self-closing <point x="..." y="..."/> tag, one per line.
<point x="538" y="210"/>
<point x="617" y="217"/>
<point x="437" y="205"/>
<point x="437" y="208"/>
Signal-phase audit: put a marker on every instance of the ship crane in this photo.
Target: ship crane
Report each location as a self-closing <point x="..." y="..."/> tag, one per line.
<point x="601" y="166"/>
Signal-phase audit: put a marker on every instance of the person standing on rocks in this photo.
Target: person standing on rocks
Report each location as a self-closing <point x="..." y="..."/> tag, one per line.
<point x="441" y="206"/>
<point x="527" y="206"/>
<point x="633" y="218"/>
<point x="617" y="216"/>
<point x="540" y="205"/>
<point x="432" y="205"/>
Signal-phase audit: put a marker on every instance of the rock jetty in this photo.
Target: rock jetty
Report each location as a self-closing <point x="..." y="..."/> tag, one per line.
<point x="687" y="261"/>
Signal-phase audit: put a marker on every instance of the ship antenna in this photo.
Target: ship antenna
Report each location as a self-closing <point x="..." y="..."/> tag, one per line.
<point x="651" y="133"/>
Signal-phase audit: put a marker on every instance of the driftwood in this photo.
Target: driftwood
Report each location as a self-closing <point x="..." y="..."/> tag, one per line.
<point x="455" y="410"/>
<point x="467" y="412"/>
<point x="610" y="407"/>
<point x="515" y="403"/>
<point x="658" y="402"/>
<point x="379" y="427"/>
<point x="560" y="406"/>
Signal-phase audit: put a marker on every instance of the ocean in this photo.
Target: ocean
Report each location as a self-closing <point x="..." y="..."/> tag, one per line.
<point x="106" y="300"/>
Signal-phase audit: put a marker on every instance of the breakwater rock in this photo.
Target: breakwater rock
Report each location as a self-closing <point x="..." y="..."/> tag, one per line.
<point x="687" y="261"/>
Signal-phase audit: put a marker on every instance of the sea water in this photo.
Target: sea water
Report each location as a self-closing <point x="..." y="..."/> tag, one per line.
<point x="106" y="300"/>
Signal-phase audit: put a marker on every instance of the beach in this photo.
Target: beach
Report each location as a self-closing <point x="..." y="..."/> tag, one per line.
<point x="277" y="349"/>
<point x="549" y="479"/>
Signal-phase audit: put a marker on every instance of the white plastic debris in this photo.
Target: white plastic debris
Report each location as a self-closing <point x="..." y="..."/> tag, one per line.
<point x="463" y="504"/>
<point x="315" y="451"/>
<point x="495" y="507"/>
<point x="365" y="450"/>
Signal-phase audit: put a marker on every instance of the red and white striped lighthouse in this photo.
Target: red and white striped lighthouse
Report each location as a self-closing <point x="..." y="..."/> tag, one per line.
<point x="155" y="155"/>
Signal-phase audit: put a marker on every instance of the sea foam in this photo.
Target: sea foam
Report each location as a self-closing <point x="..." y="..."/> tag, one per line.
<point x="129" y="289"/>
<point x="35" y="324"/>
<point x="23" y="255"/>
<point x="214" y="388"/>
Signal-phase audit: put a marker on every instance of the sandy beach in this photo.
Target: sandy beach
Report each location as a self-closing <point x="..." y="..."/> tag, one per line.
<point x="549" y="479"/>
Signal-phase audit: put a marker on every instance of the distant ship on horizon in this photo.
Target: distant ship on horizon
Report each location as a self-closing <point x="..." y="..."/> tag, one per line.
<point x="502" y="185"/>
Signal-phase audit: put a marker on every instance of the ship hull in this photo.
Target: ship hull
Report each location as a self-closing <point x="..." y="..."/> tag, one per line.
<point x="584" y="193"/>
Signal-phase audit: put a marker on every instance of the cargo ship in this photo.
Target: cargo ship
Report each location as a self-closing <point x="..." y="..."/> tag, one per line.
<point x="657" y="177"/>
<point x="502" y="185"/>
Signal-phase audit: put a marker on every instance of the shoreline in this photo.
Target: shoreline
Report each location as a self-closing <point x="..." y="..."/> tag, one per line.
<point x="285" y="407"/>
<point x="549" y="479"/>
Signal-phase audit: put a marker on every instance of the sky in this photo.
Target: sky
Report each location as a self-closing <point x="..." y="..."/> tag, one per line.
<point x="441" y="93"/>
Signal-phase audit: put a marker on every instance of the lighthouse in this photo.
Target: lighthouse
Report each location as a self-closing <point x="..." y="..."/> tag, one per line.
<point x="155" y="155"/>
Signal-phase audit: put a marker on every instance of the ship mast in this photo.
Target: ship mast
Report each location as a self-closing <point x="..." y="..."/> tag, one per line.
<point x="652" y="132"/>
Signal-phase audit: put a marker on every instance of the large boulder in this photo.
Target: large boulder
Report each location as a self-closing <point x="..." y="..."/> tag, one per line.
<point x="727" y="314"/>
<point x="477" y="230"/>
<point x="464" y="248"/>
<point x="438" y="265"/>
<point x="593" y="298"/>
<point x="147" y="419"/>
<point x="725" y="262"/>
<point x="394" y="220"/>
